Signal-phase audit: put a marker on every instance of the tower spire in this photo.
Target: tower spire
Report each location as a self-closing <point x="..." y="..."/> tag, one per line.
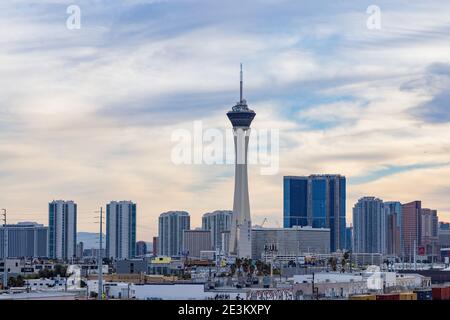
<point x="241" y="91"/>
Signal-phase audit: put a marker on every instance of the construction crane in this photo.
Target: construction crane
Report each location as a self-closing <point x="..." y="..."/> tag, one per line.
<point x="262" y="224"/>
<point x="264" y="221"/>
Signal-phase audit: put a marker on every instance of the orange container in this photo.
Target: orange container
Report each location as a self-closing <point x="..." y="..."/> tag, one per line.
<point x="363" y="297"/>
<point x="390" y="296"/>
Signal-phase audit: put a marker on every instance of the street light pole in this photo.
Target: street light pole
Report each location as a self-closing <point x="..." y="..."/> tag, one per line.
<point x="100" y="259"/>
<point x="5" y="251"/>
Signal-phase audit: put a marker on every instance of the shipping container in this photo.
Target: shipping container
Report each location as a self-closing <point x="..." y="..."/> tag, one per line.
<point x="363" y="297"/>
<point x="408" y="296"/>
<point x="424" y="294"/>
<point x="390" y="296"/>
<point x="441" y="293"/>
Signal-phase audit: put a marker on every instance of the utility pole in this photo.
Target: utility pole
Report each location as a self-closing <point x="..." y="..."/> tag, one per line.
<point x="100" y="259"/>
<point x="5" y="251"/>
<point x="351" y="270"/>
<point x="415" y="251"/>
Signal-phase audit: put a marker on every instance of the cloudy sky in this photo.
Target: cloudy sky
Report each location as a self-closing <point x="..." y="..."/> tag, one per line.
<point x="87" y="114"/>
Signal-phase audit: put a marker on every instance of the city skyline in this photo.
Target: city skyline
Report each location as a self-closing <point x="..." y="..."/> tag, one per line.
<point x="382" y="123"/>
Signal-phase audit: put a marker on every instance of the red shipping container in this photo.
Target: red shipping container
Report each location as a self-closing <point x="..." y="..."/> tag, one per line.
<point x="440" y="293"/>
<point x="447" y="293"/>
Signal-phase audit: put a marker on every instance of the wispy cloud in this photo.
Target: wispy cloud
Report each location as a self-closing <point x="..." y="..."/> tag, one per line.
<point x="87" y="114"/>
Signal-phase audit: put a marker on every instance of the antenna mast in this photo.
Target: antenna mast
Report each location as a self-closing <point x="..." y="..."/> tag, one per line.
<point x="242" y="80"/>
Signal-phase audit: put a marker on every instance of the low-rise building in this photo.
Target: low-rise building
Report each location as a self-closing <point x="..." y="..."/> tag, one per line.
<point x="196" y="241"/>
<point x="329" y="285"/>
<point x="131" y="266"/>
<point x="295" y="241"/>
<point x="57" y="283"/>
<point x="113" y="290"/>
<point x="165" y="266"/>
<point x="25" y="240"/>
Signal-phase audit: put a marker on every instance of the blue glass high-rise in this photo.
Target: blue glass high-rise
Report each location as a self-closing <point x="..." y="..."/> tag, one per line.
<point x="317" y="201"/>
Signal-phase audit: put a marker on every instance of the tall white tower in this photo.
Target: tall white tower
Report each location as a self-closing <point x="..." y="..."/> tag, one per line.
<point x="62" y="229"/>
<point x="241" y="226"/>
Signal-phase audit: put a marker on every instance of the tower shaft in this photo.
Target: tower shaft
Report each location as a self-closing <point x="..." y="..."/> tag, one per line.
<point x="240" y="235"/>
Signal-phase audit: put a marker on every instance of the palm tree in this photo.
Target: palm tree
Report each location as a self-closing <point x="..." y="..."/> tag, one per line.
<point x="245" y="265"/>
<point x="343" y="264"/>
<point x="258" y="265"/>
<point x="232" y="269"/>
<point x="238" y="263"/>
<point x="252" y="269"/>
<point x="333" y="263"/>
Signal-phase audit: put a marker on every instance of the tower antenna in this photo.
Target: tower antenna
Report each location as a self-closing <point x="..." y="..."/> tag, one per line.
<point x="242" y="80"/>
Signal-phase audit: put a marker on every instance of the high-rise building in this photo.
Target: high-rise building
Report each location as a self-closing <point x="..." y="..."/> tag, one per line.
<point x="444" y="235"/>
<point x="317" y="201"/>
<point x="141" y="249"/>
<point x="62" y="229"/>
<point x="295" y="241"/>
<point x="155" y="246"/>
<point x="394" y="234"/>
<point x="195" y="241"/>
<point x="171" y="227"/>
<point x="411" y="228"/>
<point x="79" y="250"/>
<point x="295" y="201"/>
<point x="369" y="226"/>
<point x="241" y="117"/>
<point x="225" y="242"/>
<point x="121" y="230"/>
<point x="430" y="232"/>
<point x="444" y="225"/>
<point x="217" y="222"/>
<point x="25" y="240"/>
<point x="348" y="239"/>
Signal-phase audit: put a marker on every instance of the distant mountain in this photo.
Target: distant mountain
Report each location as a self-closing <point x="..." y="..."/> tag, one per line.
<point x="90" y="239"/>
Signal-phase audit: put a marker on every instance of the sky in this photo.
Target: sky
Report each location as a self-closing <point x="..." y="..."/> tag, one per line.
<point x="87" y="114"/>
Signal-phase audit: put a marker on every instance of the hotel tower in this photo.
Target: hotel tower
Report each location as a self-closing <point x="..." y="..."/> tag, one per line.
<point x="240" y="234"/>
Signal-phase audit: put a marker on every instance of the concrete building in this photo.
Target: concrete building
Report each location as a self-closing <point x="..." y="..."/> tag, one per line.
<point x="290" y="241"/>
<point x="369" y="223"/>
<point x="226" y="241"/>
<point x="79" y="250"/>
<point x="141" y="249"/>
<point x="394" y="211"/>
<point x="113" y="289"/>
<point x="444" y="235"/>
<point x="317" y="201"/>
<point x="217" y="222"/>
<point x="430" y="233"/>
<point x="25" y="240"/>
<point x="121" y="230"/>
<point x="93" y="253"/>
<point x="195" y="241"/>
<point x="62" y="229"/>
<point x="23" y="266"/>
<point x="411" y="228"/>
<point x="131" y="266"/>
<point x="171" y="227"/>
<point x="348" y="238"/>
<point x="155" y="246"/>
<point x="393" y="235"/>
<point x="165" y="266"/>
<point x="241" y="117"/>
